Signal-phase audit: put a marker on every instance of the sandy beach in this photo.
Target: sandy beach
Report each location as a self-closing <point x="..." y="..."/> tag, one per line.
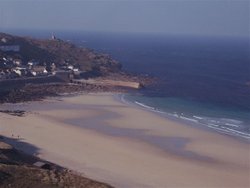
<point x="126" y="146"/>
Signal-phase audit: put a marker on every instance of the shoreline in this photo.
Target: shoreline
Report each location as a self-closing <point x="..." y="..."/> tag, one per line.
<point x="182" y="120"/>
<point x="104" y="149"/>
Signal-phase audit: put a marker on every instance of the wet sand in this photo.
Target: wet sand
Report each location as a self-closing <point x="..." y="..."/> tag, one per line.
<point x="126" y="146"/>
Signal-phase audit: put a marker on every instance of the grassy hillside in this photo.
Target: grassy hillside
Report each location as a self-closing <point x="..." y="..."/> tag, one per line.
<point x="58" y="52"/>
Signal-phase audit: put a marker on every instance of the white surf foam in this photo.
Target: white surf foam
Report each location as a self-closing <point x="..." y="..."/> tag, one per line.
<point x="189" y="119"/>
<point x="231" y="125"/>
<point x="145" y="106"/>
<point x="198" y="117"/>
<point x="221" y="125"/>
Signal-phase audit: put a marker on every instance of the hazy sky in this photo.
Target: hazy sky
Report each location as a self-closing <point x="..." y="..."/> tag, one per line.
<point x="189" y="17"/>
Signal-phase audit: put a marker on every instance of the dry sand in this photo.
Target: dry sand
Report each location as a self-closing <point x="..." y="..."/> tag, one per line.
<point x="126" y="146"/>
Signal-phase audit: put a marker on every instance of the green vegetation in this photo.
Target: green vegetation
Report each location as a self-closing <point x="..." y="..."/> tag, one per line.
<point x="59" y="52"/>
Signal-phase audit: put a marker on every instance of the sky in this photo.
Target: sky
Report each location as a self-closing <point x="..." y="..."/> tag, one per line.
<point x="181" y="17"/>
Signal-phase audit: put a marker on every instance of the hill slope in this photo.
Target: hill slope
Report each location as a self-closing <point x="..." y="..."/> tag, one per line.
<point x="59" y="52"/>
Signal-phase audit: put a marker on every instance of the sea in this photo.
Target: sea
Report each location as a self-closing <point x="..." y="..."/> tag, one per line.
<point x="203" y="81"/>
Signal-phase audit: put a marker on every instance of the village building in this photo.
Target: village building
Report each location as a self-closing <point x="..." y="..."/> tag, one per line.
<point x="4" y="40"/>
<point x="53" y="37"/>
<point x="17" y="71"/>
<point x="9" y="48"/>
<point x="17" y="62"/>
<point x="39" y="70"/>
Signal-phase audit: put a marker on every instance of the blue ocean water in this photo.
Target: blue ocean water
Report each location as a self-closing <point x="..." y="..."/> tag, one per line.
<point x="203" y="81"/>
<point x="200" y="80"/>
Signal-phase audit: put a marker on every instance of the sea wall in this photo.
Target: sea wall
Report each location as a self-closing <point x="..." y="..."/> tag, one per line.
<point x="128" y="84"/>
<point x="20" y="82"/>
